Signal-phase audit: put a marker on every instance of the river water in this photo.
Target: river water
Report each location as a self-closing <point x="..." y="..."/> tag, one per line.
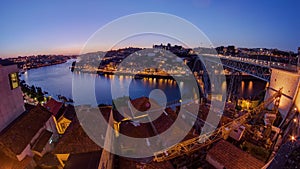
<point x="58" y="79"/>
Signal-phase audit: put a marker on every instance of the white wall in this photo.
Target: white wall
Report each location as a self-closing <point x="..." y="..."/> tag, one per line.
<point x="289" y="81"/>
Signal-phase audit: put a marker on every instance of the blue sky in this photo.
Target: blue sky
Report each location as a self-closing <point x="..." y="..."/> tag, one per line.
<point x="45" y="27"/>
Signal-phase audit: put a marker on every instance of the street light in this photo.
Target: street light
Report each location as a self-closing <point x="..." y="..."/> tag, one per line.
<point x="295" y="120"/>
<point x="293" y="138"/>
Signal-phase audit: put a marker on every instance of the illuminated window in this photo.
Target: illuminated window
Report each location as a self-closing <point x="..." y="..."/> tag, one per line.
<point x="63" y="126"/>
<point x="14" y="80"/>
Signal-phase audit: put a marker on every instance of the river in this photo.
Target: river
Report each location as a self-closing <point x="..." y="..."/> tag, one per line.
<point x="58" y="79"/>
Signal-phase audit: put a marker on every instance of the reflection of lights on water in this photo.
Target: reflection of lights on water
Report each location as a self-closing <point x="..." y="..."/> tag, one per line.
<point x="150" y="80"/>
<point x="243" y="86"/>
<point x="160" y="81"/>
<point x="295" y="120"/>
<point x="250" y="87"/>
<point x="111" y="76"/>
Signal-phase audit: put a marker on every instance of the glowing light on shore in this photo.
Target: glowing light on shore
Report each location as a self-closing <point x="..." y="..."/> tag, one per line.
<point x="293" y="138"/>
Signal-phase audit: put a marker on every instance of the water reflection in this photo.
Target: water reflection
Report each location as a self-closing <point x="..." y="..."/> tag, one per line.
<point x="250" y="87"/>
<point x="58" y="79"/>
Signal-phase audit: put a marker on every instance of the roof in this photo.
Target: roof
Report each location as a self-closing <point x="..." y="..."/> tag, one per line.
<point x="53" y="106"/>
<point x="88" y="160"/>
<point x="232" y="157"/>
<point x="69" y="112"/>
<point x="42" y="141"/>
<point x="127" y="163"/>
<point x="136" y="130"/>
<point x="141" y="104"/>
<point x="20" y="132"/>
<point x="75" y="140"/>
<point x="8" y="163"/>
<point x="143" y="130"/>
<point x="28" y="107"/>
<point x="48" y="160"/>
<point x="139" y="107"/>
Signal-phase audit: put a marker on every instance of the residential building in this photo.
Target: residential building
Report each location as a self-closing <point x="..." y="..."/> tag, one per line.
<point x="11" y="100"/>
<point x="31" y="133"/>
<point x="63" y="115"/>
<point x="74" y="141"/>
<point x="225" y="155"/>
<point x="24" y="133"/>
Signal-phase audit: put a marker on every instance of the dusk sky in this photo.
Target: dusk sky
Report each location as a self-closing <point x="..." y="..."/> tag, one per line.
<point x="63" y="27"/>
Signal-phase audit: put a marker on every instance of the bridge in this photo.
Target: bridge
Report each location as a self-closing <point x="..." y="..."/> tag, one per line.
<point x="260" y="69"/>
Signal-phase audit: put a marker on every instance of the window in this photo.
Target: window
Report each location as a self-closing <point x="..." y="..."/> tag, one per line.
<point x="14" y="80"/>
<point x="63" y="126"/>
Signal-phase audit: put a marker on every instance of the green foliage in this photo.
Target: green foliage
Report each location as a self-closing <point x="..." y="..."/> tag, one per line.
<point x="256" y="151"/>
<point x="32" y="91"/>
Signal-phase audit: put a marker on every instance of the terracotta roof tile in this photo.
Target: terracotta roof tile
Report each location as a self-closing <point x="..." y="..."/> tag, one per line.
<point x="53" y="106"/>
<point x="75" y="140"/>
<point x="21" y="131"/>
<point x="232" y="157"/>
<point x="88" y="160"/>
<point x="9" y="163"/>
<point x="42" y="140"/>
<point x="126" y="163"/>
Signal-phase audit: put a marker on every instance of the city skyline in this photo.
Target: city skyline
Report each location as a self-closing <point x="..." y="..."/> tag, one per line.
<point x="63" y="27"/>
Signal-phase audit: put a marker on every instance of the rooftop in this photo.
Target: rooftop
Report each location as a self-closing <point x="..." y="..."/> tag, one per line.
<point x="48" y="160"/>
<point x="54" y="106"/>
<point x="8" y="163"/>
<point x="20" y="132"/>
<point x="232" y="157"/>
<point x="42" y="140"/>
<point x="88" y="160"/>
<point x="75" y="140"/>
<point x="126" y="163"/>
<point x="69" y="112"/>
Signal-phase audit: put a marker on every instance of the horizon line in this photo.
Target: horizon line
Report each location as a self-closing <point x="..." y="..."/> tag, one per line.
<point x="79" y="53"/>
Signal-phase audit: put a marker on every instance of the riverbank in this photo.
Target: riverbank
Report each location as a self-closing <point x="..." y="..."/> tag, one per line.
<point x="43" y="65"/>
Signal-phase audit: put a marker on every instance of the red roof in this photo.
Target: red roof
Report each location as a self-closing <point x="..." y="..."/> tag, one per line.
<point x="53" y="106"/>
<point x="231" y="157"/>
<point x="22" y="130"/>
